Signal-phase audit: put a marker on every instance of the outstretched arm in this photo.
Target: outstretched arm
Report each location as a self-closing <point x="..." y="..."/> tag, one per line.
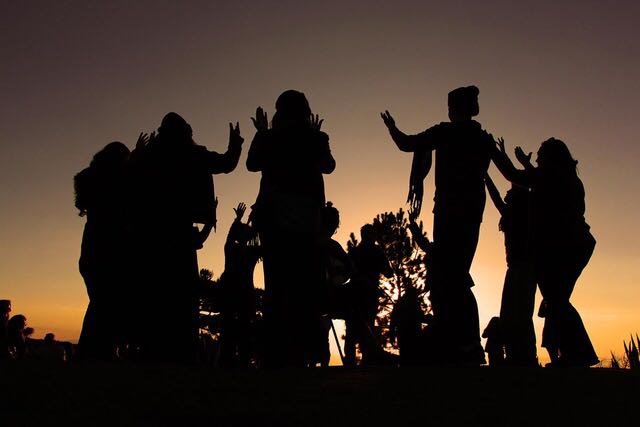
<point x="495" y="194"/>
<point x="227" y="162"/>
<point x="407" y="143"/>
<point x="506" y="167"/>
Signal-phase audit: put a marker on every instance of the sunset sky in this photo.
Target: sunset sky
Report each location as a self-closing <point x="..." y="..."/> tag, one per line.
<point x="76" y="75"/>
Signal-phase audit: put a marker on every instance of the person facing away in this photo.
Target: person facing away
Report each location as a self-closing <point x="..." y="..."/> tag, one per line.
<point x="50" y="349"/>
<point x="495" y="342"/>
<point x="563" y="244"/>
<point x="173" y="190"/>
<point x="292" y="157"/>
<point x="242" y="252"/>
<point x="369" y="262"/>
<point x="101" y="196"/>
<point x="337" y="271"/>
<point x="519" y="290"/>
<point x="463" y="151"/>
<point x="406" y="322"/>
<point x="5" y="310"/>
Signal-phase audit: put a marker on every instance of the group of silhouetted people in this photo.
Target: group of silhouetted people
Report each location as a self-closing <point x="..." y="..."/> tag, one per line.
<point x="16" y="339"/>
<point x="149" y="210"/>
<point x="547" y="240"/>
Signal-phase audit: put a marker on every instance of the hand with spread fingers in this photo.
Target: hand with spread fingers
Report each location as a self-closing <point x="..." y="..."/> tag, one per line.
<point x="260" y="121"/>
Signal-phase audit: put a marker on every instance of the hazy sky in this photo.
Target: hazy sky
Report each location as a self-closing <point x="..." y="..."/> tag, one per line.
<point x="76" y="75"/>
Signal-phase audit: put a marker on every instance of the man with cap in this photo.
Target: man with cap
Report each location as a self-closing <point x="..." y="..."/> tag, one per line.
<point x="463" y="151"/>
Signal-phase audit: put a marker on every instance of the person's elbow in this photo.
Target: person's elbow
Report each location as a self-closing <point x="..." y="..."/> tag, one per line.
<point x="328" y="167"/>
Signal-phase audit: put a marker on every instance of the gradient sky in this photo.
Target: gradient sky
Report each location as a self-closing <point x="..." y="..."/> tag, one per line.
<point x="76" y="75"/>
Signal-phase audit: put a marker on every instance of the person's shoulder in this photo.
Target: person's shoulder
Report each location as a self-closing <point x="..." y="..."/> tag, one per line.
<point x="440" y="127"/>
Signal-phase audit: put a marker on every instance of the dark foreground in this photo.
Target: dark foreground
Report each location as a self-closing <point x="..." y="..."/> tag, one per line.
<point x="34" y="394"/>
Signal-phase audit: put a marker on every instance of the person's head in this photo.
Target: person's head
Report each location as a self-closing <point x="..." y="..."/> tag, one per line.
<point x="18" y="322"/>
<point x="463" y="103"/>
<point x="112" y="157"/>
<point x="106" y="163"/>
<point x="49" y="338"/>
<point x="368" y="233"/>
<point x="292" y="110"/>
<point x="175" y="129"/>
<point x="5" y="309"/>
<point x="242" y="233"/>
<point x="330" y="219"/>
<point x="554" y="155"/>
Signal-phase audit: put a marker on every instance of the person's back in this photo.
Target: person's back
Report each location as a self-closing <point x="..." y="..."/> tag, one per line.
<point x="462" y="160"/>
<point x="292" y="162"/>
<point x="369" y="261"/>
<point x="515" y="223"/>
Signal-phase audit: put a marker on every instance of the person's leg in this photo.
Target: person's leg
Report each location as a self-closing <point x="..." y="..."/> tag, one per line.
<point x="455" y="307"/>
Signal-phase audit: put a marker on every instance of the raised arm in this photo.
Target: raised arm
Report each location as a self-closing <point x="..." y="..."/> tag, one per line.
<point x="495" y="195"/>
<point x="407" y="143"/>
<point x="227" y="162"/>
<point x="506" y="167"/>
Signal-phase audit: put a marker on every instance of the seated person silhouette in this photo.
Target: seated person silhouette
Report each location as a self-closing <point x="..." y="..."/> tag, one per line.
<point x="495" y="342"/>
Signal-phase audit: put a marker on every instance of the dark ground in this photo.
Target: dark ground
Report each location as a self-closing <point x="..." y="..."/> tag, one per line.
<point x="36" y="393"/>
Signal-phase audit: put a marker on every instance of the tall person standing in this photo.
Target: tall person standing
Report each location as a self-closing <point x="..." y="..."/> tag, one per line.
<point x="463" y="151"/>
<point x="292" y="157"/>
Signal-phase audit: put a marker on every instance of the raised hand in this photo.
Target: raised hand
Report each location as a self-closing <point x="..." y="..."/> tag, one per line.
<point x="234" y="134"/>
<point x="260" y="121"/>
<point x="388" y="119"/>
<point x="500" y="144"/>
<point x="240" y="210"/>
<point x="524" y="159"/>
<point x="316" y="122"/>
<point x="143" y="140"/>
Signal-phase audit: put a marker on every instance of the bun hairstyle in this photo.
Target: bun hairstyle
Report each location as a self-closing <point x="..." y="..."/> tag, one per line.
<point x="330" y="217"/>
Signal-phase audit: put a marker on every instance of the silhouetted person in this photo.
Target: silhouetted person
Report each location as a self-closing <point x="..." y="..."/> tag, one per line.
<point x="369" y="262"/>
<point x="495" y="342"/>
<point x="463" y="152"/>
<point x="50" y="349"/>
<point x="292" y="156"/>
<point x="406" y="322"/>
<point x="337" y="270"/>
<point x="563" y="245"/>
<point x="519" y="290"/>
<point x="5" y="310"/>
<point x="173" y="190"/>
<point x="100" y="192"/>
<point x="16" y="336"/>
<point x="242" y="253"/>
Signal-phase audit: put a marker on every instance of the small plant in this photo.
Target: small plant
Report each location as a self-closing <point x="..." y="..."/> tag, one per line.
<point x="631" y="352"/>
<point x="615" y="363"/>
